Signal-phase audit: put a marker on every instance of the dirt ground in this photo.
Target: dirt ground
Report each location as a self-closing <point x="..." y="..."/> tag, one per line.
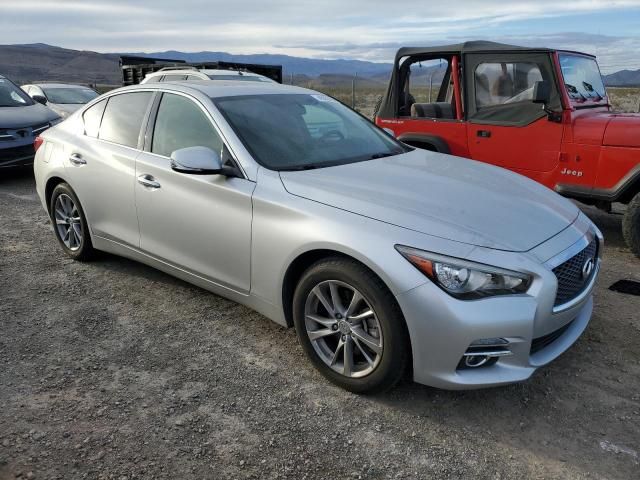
<point x="113" y="370"/>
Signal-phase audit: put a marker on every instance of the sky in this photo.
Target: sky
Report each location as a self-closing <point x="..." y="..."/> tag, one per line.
<point x="353" y="29"/>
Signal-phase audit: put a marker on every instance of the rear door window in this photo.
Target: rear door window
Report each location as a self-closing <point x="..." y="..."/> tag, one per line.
<point x="181" y="123"/>
<point x="92" y="118"/>
<point x="123" y="118"/>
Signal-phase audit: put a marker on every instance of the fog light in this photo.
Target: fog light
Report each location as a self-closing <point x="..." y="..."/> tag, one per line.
<point x="474" y="361"/>
<point x="484" y="352"/>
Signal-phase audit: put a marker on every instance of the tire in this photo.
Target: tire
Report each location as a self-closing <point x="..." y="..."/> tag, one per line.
<point x="631" y="225"/>
<point x="67" y="215"/>
<point x="373" y="331"/>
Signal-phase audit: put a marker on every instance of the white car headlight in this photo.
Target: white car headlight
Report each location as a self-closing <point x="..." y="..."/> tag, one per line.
<point x="463" y="279"/>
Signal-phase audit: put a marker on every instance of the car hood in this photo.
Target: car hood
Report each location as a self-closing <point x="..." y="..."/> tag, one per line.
<point x="18" y="117"/>
<point x="443" y="196"/>
<point x="599" y="126"/>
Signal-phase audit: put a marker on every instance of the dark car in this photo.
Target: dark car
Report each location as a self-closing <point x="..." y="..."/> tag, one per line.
<point x="21" y="121"/>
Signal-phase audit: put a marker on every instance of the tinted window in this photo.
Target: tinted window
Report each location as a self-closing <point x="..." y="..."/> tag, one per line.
<point x="181" y="123"/>
<point x="298" y="131"/>
<point x="174" y="78"/>
<point x="92" y="117"/>
<point x="123" y="117"/>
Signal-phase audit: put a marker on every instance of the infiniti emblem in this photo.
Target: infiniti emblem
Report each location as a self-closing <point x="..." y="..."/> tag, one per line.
<point x="587" y="268"/>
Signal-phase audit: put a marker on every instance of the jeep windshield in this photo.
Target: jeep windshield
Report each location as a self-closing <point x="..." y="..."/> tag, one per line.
<point x="12" y="96"/>
<point x="582" y="79"/>
<point x="304" y="131"/>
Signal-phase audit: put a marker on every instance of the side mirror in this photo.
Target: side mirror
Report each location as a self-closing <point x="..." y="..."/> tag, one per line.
<point x="40" y="99"/>
<point x="542" y="92"/>
<point x="196" y="161"/>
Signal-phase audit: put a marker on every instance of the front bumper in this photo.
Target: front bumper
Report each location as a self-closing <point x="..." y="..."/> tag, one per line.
<point x="443" y="328"/>
<point x="17" y="156"/>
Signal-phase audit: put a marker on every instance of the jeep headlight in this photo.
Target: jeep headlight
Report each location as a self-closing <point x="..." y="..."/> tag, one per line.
<point x="464" y="279"/>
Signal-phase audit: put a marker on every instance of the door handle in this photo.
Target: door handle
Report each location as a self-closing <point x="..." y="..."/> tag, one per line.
<point x="483" y="133"/>
<point x="148" y="181"/>
<point x="77" y="160"/>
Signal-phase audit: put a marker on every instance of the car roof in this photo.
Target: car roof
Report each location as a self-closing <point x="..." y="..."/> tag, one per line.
<point x="204" y="71"/>
<point x="209" y="71"/>
<point x="222" y="88"/>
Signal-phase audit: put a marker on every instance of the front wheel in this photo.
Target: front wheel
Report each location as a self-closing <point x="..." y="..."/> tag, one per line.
<point x="350" y="326"/>
<point x="631" y="225"/>
<point x="69" y="223"/>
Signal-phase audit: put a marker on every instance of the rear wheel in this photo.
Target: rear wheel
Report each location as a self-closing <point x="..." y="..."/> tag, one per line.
<point x="69" y="223"/>
<point x="631" y="225"/>
<point x="350" y="326"/>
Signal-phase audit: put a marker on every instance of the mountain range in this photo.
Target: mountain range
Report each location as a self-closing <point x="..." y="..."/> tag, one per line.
<point x="39" y="62"/>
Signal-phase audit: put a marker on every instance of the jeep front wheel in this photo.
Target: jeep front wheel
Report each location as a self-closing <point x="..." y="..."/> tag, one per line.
<point x="631" y="225"/>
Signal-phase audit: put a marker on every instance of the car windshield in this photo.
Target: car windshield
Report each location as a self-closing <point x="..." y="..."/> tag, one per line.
<point x="304" y="131"/>
<point x="241" y="78"/>
<point x="582" y="78"/>
<point x="69" y="95"/>
<point x="12" y="96"/>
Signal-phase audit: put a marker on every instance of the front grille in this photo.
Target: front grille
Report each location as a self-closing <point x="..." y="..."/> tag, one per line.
<point x="539" y="343"/>
<point x="8" y="155"/>
<point x="571" y="281"/>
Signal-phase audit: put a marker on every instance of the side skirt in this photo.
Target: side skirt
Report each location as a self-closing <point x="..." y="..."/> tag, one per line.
<point x="251" y="301"/>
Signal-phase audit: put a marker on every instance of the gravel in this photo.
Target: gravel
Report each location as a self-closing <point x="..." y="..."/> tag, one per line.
<point x="112" y="370"/>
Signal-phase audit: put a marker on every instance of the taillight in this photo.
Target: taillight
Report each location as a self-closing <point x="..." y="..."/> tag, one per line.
<point x="37" y="143"/>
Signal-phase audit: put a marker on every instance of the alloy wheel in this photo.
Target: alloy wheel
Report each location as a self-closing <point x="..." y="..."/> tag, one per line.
<point x="343" y="328"/>
<point x="68" y="222"/>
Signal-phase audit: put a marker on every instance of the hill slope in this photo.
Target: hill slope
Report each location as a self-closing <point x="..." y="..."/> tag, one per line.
<point x="34" y="62"/>
<point x="623" y="78"/>
<point x="291" y="65"/>
<point x="38" y="62"/>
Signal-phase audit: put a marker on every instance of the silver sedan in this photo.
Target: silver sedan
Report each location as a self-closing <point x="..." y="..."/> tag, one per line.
<point x="383" y="257"/>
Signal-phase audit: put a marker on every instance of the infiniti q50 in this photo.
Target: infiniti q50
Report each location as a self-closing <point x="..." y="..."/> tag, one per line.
<point x="383" y="257"/>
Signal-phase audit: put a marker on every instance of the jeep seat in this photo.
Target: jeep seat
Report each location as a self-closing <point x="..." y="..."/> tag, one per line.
<point x="432" y="110"/>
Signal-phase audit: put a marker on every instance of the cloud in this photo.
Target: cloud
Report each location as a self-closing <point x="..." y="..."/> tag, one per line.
<point x="363" y="29"/>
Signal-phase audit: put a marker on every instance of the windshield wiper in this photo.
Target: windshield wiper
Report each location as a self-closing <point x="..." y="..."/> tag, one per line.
<point x="573" y="90"/>
<point x="299" y="168"/>
<point x="590" y="89"/>
<point x="385" y="154"/>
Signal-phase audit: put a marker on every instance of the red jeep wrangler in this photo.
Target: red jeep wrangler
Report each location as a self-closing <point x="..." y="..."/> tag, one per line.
<point x="539" y="112"/>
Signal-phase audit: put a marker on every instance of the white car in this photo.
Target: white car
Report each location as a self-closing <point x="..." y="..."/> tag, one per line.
<point x="64" y="99"/>
<point x="180" y="74"/>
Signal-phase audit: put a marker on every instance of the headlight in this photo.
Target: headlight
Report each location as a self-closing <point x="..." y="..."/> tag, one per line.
<point x="463" y="279"/>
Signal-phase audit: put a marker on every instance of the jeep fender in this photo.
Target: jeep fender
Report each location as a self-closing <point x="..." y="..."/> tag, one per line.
<point x="437" y="144"/>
